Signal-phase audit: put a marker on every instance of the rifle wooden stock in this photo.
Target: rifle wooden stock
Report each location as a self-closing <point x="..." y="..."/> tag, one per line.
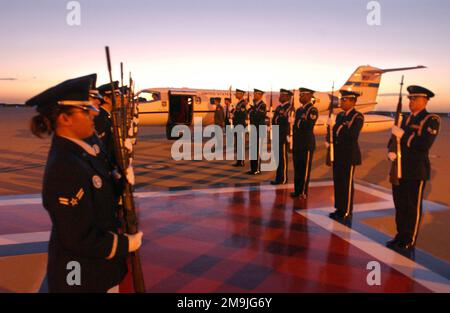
<point x="127" y="194"/>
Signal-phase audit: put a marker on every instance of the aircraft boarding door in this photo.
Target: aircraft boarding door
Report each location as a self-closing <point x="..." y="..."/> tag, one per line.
<point x="181" y="110"/>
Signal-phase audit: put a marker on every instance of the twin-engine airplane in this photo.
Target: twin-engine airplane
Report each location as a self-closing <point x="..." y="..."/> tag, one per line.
<point x="175" y="106"/>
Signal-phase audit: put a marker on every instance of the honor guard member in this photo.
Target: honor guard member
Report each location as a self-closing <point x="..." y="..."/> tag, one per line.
<point x="257" y="114"/>
<point x="239" y="118"/>
<point x="347" y="155"/>
<point x="417" y="134"/>
<point x="102" y="122"/>
<point x="97" y="100"/>
<point x="304" y="142"/>
<point x="108" y="157"/>
<point x="78" y="195"/>
<point x="95" y="97"/>
<point x="228" y="111"/>
<point x="219" y="114"/>
<point x="281" y="118"/>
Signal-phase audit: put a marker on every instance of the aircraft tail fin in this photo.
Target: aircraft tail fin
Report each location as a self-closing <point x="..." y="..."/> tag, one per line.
<point x="366" y="80"/>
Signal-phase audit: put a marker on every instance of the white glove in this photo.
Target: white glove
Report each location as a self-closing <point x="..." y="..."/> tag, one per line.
<point x="128" y="144"/>
<point x="392" y="156"/>
<point x="130" y="175"/>
<point x="329" y="120"/>
<point x="134" y="241"/>
<point x="397" y="131"/>
<point x="327" y="145"/>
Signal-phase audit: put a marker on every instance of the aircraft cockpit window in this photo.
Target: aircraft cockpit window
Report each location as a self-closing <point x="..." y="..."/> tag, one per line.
<point x="149" y="96"/>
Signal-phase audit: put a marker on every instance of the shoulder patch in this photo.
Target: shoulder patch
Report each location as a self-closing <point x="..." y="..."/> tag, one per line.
<point x="430" y="117"/>
<point x="313" y="113"/>
<point x="432" y="131"/>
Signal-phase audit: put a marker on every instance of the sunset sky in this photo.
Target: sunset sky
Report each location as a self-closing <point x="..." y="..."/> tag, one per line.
<point x="215" y="44"/>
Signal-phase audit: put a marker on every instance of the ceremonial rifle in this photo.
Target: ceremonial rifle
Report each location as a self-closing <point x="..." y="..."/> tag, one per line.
<point x="291" y="117"/>
<point x="330" y="152"/>
<point x="230" y="109"/>
<point x="122" y="105"/>
<point x="247" y="118"/>
<point x="270" y="114"/>
<point x="127" y="194"/>
<point x="396" y="168"/>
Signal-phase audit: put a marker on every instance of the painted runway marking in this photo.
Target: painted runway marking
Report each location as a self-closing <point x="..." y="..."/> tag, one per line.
<point x="24" y="238"/>
<point x="20" y="200"/>
<point x="407" y="267"/>
<point x="36" y="198"/>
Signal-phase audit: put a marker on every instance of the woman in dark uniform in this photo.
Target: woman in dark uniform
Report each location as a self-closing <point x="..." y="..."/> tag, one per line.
<point x="86" y="253"/>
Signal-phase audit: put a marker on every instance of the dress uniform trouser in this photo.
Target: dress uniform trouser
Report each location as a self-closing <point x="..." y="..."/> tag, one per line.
<point x="282" y="168"/>
<point x="255" y="165"/>
<point x="239" y="148"/>
<point x="343" y="188"/>
<point x="408" y="197"/>
<point x="302" y="170"/>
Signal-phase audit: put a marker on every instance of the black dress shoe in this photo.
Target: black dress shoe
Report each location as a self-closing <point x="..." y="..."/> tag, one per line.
<point x="405" y="246"/>
<point x="407" y="250"/>
<point x="257" y="173"/>
<point x="294" y="194"/>
<point x="274" y="182"/>
<point x="392" y="243"/>
<point x="346" y="220"/>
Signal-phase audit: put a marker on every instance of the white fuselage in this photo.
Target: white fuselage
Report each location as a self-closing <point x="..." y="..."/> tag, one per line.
<point x="157" y="112"/>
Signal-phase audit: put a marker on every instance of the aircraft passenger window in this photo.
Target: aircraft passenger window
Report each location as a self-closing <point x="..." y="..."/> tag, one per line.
<point x="156" y="96"/>
<point x="149" y="96"/>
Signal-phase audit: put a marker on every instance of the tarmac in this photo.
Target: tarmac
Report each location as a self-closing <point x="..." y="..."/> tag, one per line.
<point x="23" y="158"/>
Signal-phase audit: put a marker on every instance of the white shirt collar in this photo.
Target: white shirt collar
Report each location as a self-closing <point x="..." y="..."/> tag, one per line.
<point x="83" y="144"/>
